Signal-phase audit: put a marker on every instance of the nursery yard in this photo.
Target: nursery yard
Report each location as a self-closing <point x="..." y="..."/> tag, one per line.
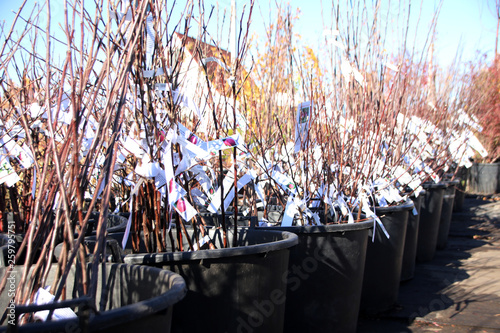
<point x="135" y="138"/>
<point x="459" y="290"/>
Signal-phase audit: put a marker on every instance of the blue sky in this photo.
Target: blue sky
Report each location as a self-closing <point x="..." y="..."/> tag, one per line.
<point x="466" y="25"/>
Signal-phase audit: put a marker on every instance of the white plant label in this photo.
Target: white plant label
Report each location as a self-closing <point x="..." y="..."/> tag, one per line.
<point x="303" y="120"/>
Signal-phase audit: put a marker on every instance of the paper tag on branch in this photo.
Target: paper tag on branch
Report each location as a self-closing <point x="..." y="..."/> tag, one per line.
<point x="150" y="40"/>
<point x="344" y="208"/>
<point x="152" y="73"/>
<point x="160" y="181"/>
<point x="167" y="157"/>
<point x="12" y="149"/>
<point x="202" y="178"/>
<point x="203" y="241"/>
<point x="303" y="119"/>
<point x="369" y="213"/>
<point x="25" y="157"/>
<point x="415" y="184"/>
<point x="290" y="211"/>
<point x="241" y="182"/>
<point x="222" y="64"/>
<point x="133" y="146"/>
<point x="434" y="176"/>
<point x="215" y="199"/>
<point x="382" y="202"/>
<point x="185" y="210"/>
<point x="175" y="191"/>
<point x="135" y="189"/>
<point x="7" y="173"/>
<point x="147" y="168"/>
<point x="284" y="181"/>
<point x="43" y="296"/>
<point x="36" y="110"/>
<point x="402" y="176"/>
<point x="230" y="142"/>
<point x="195" y="149"/>
<point x="199" y="197"/>
<point x="476" y="145"/>
<point x="192" y="142"/>
<point x="259" y="190"/>
<point x="347" y="70"/>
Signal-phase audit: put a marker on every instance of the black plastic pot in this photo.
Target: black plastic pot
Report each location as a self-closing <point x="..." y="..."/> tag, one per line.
<point x="384" y="257"/>
<point x="483" y="178"/>
<point x="9" y="245"/>
<point x="5" y="254"/>
<point x="274" y="214"/>
<point x="463" y="175"/>
<point x="429" y="220"/>
<point x="240" y="289"/>
<point x="113" y="250"/>
<point x="115" y="228"/>
<point x="446" y="213"/>
<point x="411" y="239"/>
<point x="134" y="299"/>
<point x="458" y="204"/>
<point x="325" y="277"/>
<point x="115" y="223"/>
<point x="215" y="219"/>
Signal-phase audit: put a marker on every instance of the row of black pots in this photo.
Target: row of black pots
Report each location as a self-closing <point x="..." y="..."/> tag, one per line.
<point x="435" y="219"/>
<point x="426" y="229"/>
<point x="419" y="229"/>
<point x="323" y="281"/>
<point x="247" y="288"/>
<point x="228" y="289"/>
<point x="333" y="273"/>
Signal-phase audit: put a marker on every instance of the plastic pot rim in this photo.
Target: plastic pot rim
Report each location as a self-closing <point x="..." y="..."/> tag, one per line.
<point x="288" y="240"/>
<point x="434" y="185"/>
<point x="420" y="193"/>
<point x="328" y="228"/>
<point x="407" y="205"/>
<point x="453" y="182"/>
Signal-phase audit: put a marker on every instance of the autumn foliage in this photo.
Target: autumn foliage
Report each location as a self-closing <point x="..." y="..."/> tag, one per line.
<point x="484" y="103"/>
